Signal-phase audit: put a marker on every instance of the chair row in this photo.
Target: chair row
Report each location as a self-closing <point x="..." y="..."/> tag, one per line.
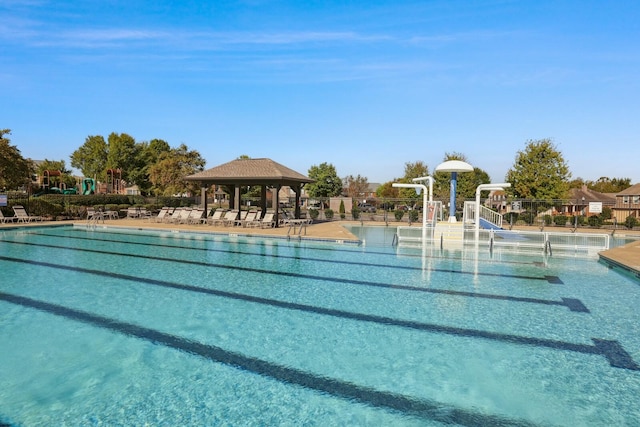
<point x="20" y="215"/>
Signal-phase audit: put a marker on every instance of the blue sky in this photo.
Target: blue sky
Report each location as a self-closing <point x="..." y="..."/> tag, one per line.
<point x="364" y="85"/>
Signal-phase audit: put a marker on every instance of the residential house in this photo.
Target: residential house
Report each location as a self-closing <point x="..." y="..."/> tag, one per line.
<point x="627" y="203"/>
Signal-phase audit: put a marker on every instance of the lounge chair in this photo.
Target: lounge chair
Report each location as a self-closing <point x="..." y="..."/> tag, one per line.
<point x="182" y="217"/>
<point x="175" y="215"/>
<point x="5" y="219"/>
<point x="229" y="218"/>
<point x="195" y="217"/>
<point x="249" y="218"/>
<point x="240" y="218"/>
<point x="267" y="221"/>
<point x="21" y="214"/>
<point x="216" y="217"/>
<point x="164" y="212"/>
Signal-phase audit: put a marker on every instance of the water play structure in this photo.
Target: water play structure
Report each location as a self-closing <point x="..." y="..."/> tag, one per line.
<point x="483" y="226"/>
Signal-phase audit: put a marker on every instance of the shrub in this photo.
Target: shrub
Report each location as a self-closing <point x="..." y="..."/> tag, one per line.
<point x="313" y="213"/>
<point x="413" y="216"/>
<point x="595" y="221"/>
<point x="398" y="213"/>
<point x="560" y="220"/>
<point x="328" y="213"/>
<point x="355" y="212"/>
<point x="511" y="217"/>
<point x="342" y="210"/>
<point x="547" y="219"/>
<point x="630" y="222"/>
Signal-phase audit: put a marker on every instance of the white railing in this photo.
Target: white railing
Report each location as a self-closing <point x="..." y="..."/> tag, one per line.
<point x="469" y="214"/>
<point x="518" y="240"/>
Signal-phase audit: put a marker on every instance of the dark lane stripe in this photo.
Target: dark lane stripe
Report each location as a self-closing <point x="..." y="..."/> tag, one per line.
<point x="426" y="409"/>
<point x="426" y="327"/>
<point x="573" y="305"/>
<point x="550" y="279"/>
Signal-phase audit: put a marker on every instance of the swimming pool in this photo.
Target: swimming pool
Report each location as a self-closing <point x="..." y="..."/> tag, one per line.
<point x="124" y="327"/>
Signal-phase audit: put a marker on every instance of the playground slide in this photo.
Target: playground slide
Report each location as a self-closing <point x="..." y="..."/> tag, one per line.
<point x="487" y="225"/>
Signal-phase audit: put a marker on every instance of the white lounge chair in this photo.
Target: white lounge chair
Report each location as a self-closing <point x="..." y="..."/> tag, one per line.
<point x="216" y="217"/>
<point x="22" y="215"/>
<point x="5" y="219"/>
<point x="248" y="219"/>
<point x="267" y="221"/>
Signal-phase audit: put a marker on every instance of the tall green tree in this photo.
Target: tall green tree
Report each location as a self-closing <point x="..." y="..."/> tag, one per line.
<point x="412" y="170"/>
<point x="147" y="155"/>
<point x="167" y="175"/>
<point x="387" y="190"/>
<point x="539" y="172"/>
<point x="91" y="157"/>
<point x="122" y="153"/>
<point x="15" y="170"/>
<point x="607" y="185"/>
<point x="327" y="183"/>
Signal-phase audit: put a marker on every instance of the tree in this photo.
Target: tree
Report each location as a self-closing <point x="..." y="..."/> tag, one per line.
<point x="387" y="190"/>
<point x="356" y="186"/>
<point x="327" y="183"/>
<point x="411" y="170"/>
<point x="606" y="185"/>
<point x="122" y="153"/>
<point x="57" y="165"/>
<point x="15" y="170"/>
<point x="539" y="172"/>
<point x="167" y="175"/>
<point x="147" y="155"/>
<point x="91" y="157"/>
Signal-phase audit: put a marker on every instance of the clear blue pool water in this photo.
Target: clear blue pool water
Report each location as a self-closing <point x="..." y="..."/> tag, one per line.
<point x="124" y="327"/>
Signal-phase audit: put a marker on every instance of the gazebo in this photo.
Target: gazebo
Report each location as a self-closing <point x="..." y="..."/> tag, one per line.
<point x="250" y="172"/>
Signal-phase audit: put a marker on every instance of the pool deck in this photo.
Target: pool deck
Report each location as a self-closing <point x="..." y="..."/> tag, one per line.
<point x="626" y="257"/>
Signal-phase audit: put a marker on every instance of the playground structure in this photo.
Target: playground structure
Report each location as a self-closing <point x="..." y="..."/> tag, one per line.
<point x="47" y="186"/>
<point x="115" y="184"/>
<point x="88" y="186"/>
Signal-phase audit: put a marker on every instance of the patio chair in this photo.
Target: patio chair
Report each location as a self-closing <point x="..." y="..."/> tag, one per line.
<point x="267" y="221"/>
<point x="175" y="215"/>
<point x="241" y="217"/>
<point x="182" y="216"/>
<point x="5" y="219"/>
<point x="215" y="218"/>
<point x="164" y="212"/>
<point x="195" y="217"/>
<point x="230" y="218"/>
<point x="21" y="214"/>
<point x="250" y="217"/>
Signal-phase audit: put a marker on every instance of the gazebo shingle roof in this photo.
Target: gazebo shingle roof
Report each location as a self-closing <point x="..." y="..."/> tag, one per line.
<point x="251" y="172"/>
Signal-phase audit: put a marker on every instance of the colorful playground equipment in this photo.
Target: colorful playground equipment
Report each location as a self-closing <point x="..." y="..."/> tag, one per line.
<point x="114" y="181"/>
<point x="88" y="186"/>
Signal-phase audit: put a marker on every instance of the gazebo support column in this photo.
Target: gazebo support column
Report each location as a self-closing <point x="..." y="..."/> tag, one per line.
<point x="263" y="199"/>
<point x="203" y="194"/>
<point x="296" y="189"/>
<point x="276" y="204"/>
<point x="236" y="196"/>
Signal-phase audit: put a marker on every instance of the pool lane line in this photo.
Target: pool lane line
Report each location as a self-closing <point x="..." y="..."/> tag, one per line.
<point x="422" y="408"/>
<point x="550" y="279"/>
<point x="181" y="236"/>
<point x="571" y="303"/>
<point x="611" y="350"/>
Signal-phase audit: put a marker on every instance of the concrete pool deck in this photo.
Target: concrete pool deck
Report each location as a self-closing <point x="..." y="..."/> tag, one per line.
<point x="626" y="257"/>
